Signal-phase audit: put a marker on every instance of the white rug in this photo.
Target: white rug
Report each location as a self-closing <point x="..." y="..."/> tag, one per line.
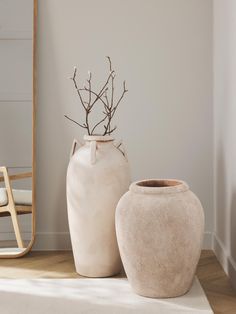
<point x="85" y="296"/>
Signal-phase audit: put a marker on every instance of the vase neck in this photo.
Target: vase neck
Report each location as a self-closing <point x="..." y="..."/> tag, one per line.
<point x="98" y="138"/>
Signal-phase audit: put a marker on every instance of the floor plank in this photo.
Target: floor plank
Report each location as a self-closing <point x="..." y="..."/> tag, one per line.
<point x="59" y="264"/>
<point x="216" y="284"/>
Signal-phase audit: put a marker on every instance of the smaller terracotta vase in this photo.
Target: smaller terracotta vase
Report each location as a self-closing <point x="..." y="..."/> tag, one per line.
<point x="159" y="227"/>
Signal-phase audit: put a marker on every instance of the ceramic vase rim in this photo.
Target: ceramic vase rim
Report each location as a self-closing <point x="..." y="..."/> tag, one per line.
<point x="158" y="186"/>
<point x="98" y="138"/>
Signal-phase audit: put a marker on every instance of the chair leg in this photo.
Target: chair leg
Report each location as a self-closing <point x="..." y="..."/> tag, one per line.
<point x="11" y="207"/>
<point x="16" y="229"/>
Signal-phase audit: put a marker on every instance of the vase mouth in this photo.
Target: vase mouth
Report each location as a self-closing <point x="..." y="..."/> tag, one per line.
<point x="159" y="186"/>
<point x="98" y="138"/>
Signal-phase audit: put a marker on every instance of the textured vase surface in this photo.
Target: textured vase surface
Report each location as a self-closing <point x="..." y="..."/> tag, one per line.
<point x="159" y="225"/>
<point x="98" y="175"/>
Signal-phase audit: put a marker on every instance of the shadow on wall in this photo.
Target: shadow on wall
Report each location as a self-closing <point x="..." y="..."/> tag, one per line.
<point x="226" y="211"/>
<point x="232" y="264"/>
<point x="221" y="197"/>
<point x="54" y="140"/>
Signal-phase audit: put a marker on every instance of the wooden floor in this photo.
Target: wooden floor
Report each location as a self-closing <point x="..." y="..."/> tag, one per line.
<point x="221" y="295"/>
<point x="60" y="265"/>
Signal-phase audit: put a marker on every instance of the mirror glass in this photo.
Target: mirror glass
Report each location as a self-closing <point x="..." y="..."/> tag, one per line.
<point x="16" y="126"/>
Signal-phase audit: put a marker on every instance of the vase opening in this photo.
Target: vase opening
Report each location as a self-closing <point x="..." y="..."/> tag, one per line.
<point x="159" y="186"/>
<point x="158" y="183"/>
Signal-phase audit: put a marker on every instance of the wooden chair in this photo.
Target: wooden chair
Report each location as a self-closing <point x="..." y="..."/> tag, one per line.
<point x="12" y="207"/>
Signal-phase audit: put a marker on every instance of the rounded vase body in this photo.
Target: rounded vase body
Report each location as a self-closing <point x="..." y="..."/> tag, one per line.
<point x="159" y="226"/>
<point x="97" y="176"/>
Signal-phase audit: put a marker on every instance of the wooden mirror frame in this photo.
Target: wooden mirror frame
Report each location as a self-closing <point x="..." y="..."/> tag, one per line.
<point x="33" y="220"/>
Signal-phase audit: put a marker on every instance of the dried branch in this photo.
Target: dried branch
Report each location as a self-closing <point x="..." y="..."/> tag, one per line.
<point x="82" y="126"/>
<point x="96" y="125"/>
<point x="73" y="78"/>
<point x="94" y="93"/>
<point x="89" y="82"/>
<point x="102" y="89"/>
<point x="108" y="101"/>
<point x="106" y="128"/>
<point x="113" y="110"/>
<point x="86" y="108"/>
<point x="110" y="65"/>
<point x="112" y="130"/>
<point x="112" y="88"/>
<point x="112" y="80"/>
<point x="124" y="91"/>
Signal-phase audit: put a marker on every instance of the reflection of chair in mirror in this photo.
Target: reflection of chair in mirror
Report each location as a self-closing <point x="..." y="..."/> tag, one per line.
<point x="14" y="202"/>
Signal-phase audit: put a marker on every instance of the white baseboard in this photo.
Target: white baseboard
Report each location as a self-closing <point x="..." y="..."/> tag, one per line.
<point x="10" y="236"/>
<point x="226" y="261"/>
<point x="8" y="239"/>
<point x="61" y="241"/>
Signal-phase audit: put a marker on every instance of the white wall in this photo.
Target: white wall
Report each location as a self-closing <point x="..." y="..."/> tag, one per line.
<point x="225" y="130"/>
<point x="163" y="48"/>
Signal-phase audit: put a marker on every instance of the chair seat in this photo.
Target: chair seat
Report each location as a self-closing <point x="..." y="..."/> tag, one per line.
<point x="21" y="197"/>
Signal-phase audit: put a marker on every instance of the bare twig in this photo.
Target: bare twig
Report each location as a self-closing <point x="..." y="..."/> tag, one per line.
<point x="73" y="78"/>
<point x="112" y="130"/>
<point x="89" y="82"/>
<point x="94" y="93"/>
<point x="112" y="112"/>
<point x="82" y="126"/>
<point x="102" y="89"/>
<point x="112" y="88"/>
<point x="124" y="91"/>
<point x="106" y="127"/>
<point x="109" y="60"/>
<point x="96" y="125"/>
<point x="86" y="108"/>
<point x="108" y="102"/>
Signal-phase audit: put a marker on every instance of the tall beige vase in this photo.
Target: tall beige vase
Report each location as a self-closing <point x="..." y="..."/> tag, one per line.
<point x="159" y="225"/>
<point x="97" y="176"/>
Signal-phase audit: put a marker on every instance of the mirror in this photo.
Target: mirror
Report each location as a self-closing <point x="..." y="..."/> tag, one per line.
<point x="17" y="126"/>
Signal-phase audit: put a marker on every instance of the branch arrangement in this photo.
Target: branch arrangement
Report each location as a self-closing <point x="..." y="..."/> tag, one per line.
<point x="104" y="96"/>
